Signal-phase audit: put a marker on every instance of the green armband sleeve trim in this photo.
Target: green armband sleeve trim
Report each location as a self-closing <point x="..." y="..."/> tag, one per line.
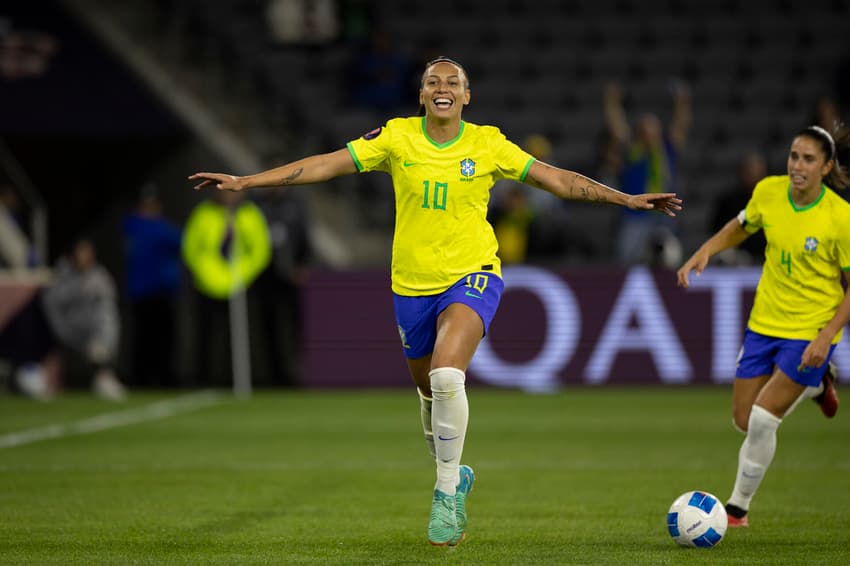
<point x="525" y="169"/>
<point x="354" y="157"/>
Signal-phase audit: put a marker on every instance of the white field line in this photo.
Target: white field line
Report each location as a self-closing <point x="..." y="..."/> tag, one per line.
<point x="153" y="412"/>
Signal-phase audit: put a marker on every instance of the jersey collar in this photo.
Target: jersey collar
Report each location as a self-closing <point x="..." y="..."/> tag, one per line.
<point x="811" y="204"/>
<point x="442" y="145"/>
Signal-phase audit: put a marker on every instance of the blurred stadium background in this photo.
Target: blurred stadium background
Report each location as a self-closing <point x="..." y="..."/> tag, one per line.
<point x="113" y="95"/>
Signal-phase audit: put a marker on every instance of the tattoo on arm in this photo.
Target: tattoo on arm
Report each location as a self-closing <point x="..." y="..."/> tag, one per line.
<point x="289" y="179"/>
<point x="592" y="194"/>
<point x="585" y="192"/>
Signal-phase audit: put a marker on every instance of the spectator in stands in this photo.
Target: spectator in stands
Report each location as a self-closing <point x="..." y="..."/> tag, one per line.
<point x="650" y="165"/>
<point x="537" y="220"/>
<point x="303" y="22"/>
<point x="279" y="286"/>
<point x="153" y="283"/>
<point x="82" y="306"/>
<point x="540" y="148"/>
<point x="28" y="344"/>
<point x="77" y="313"/>
<point x="752" y="169"/>
<point x="527" y="223"/>
<point x="609" y="159"/>
<point x="381" y="75"/>
<point x="514" y="223"/>
<point x="226" y="246"/>
<point x="15" y="249"/>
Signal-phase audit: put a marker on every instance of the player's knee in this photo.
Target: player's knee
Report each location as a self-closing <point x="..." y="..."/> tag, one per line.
<point x="762" y="421"/>
<point x="445" y="382"/>
<point x="761" y="417"/>
<point x="741" y="419"/>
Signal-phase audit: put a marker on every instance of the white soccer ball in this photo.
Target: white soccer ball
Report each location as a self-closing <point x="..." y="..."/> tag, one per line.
<point x="697" y="518"/>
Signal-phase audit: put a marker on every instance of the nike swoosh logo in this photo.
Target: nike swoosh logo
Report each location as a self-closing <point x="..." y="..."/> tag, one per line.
<point x="471" y="294"/>
<point x="440" y="436"/>
<point x="409" y="163"/>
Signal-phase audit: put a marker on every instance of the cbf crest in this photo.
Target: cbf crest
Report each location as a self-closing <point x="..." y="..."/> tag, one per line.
<point x="467" y="167"/>
<point x="811" y="244"/>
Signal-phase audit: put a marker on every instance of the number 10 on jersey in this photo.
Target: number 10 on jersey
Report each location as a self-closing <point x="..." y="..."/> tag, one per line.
<point x="438" y="201"/>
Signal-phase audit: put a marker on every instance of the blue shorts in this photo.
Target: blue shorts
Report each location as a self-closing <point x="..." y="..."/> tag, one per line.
<point x="759" y="354"/>
<point x="417" y="316"/>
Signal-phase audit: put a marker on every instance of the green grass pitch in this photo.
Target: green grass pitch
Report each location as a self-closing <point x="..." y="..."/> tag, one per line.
<point x="584" y="476"/>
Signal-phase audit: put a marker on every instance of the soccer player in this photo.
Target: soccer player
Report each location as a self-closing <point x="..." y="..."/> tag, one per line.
<point x="800" y="307"/>
<point x="446" y="277"/>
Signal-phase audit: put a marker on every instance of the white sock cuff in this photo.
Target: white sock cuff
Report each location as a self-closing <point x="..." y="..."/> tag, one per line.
<point x="763" y="418"/>
<point x="446" y="380"/>
<point x="423" y="397"/>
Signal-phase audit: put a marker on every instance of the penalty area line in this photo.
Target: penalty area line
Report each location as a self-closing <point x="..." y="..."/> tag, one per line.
<point x="153" y="412"/>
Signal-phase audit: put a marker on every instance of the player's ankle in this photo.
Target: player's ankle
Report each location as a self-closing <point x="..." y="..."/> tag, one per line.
<point x="735" y="511"/>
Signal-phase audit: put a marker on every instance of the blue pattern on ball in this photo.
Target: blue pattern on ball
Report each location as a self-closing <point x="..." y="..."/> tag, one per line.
<point x="702" y="501"/>
<point x="708" y="539"/>
<point x="673" y="524"/>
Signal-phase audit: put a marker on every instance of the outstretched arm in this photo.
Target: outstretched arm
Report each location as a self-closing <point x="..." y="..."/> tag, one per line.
<point x="313" y="169"/>
<point x="574" y="186"/>
<point x="731" y="235"/>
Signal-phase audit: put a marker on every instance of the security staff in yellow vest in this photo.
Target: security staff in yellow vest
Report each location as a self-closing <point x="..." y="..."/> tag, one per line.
<point x="226" y="245"/>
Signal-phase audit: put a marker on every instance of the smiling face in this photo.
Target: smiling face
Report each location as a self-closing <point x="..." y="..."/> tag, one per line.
<point x="444" y="90"/>
<point x="807" y="163"/>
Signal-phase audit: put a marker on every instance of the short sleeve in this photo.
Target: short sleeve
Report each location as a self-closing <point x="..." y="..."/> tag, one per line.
<point x="371" y="151"/>
<point x="750" y="218"/>
<point x="511" y="162"/>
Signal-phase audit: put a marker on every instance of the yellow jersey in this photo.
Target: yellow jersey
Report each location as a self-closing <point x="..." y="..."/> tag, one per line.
<point x="441" y="195"/>
<point x="807" y="250"/>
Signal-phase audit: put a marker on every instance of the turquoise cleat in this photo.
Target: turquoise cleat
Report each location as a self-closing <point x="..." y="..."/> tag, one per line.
<point x="442" y="528"/>
<point x="467" y="478"/>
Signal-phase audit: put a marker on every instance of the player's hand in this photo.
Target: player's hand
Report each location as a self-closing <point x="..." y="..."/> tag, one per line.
<point x="668" y="203"/>
<point x="815" y="353"/>
<point x="696" y="263"/>
<point x="222" y="181"/>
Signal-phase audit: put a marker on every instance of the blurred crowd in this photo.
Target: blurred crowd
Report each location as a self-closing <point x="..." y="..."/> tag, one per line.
<point x="72" y="326"/>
